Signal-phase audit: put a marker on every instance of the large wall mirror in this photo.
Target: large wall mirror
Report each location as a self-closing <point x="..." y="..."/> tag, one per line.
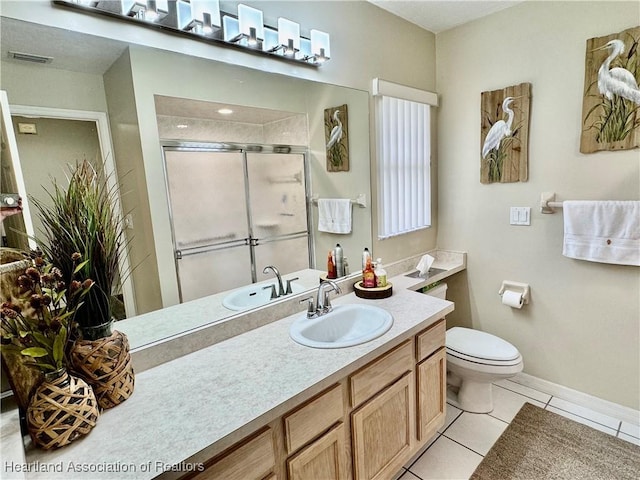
<point x="143" y="90"/>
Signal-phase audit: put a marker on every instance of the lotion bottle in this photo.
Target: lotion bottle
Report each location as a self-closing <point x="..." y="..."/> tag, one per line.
<point x="381" y="274"/>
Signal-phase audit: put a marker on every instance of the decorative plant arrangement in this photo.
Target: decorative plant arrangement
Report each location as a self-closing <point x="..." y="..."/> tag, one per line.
<point x="611" y="106"/>
<point x="64" y="407"/>
<point x="505" y="134"/>
<point x="82" y="218"/>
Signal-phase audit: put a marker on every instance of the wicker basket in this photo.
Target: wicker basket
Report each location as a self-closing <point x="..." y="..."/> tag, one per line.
<point x="106" y="365"/>
<point x="63" y="409"/>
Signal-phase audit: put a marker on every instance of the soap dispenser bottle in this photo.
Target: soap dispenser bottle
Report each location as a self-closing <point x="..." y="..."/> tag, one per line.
<point x="381" y="274"/>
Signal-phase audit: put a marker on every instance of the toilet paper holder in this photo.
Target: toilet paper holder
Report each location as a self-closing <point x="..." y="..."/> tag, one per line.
<point x="523" y="288"/>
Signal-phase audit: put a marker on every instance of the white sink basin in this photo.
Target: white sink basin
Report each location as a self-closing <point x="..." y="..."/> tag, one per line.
<point x="254" y="296"/>
<point x="345" y="326"/>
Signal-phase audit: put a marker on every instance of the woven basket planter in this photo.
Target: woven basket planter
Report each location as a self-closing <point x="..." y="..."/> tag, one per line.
<point x="106" y="365"/>
<point x="62" y="409"/>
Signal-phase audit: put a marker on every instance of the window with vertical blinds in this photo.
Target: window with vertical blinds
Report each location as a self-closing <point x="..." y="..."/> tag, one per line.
<point x="404" y="165"/>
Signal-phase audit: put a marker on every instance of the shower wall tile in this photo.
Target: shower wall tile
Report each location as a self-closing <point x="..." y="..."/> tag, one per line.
<point x="289" y="131"/>
<point x="203" y="130"/>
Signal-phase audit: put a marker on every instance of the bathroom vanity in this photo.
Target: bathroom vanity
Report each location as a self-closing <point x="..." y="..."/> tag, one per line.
<point x="259" y="405"/>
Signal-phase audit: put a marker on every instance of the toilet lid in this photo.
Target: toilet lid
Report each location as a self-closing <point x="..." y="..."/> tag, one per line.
<point x="481" y="345"/>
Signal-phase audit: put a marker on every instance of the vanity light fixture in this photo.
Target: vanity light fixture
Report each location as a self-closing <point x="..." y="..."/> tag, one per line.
<point x="206" y="17"/>
<point x="251" y="27"/>
<point x="225" y="111"/>
<point x="320" y="50"/>
<point x="147" y="11"/>
<point x="203" y="20"/>
<point x="288" y="37"/>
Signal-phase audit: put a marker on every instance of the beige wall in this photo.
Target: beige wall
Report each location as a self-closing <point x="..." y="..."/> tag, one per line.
<point x="582" y="327"/>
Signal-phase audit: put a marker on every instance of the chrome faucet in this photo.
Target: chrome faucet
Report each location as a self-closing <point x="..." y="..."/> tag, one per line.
<point x="281" y="290"/>
<point x="323" y="305"/>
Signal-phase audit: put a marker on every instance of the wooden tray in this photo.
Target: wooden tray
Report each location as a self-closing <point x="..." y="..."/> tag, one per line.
<point x="374" y="293"/>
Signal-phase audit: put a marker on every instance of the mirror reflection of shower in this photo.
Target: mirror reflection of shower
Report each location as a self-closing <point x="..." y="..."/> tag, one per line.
<point x="237" y="184"/>
<point x="233" y="212"/>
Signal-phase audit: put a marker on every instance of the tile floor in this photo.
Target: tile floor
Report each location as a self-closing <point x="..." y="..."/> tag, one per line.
<point x="461" y="444"/>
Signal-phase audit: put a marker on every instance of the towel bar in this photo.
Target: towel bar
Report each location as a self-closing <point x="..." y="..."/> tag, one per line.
<point x="547" y="203"/>
<point x="360" y="200"/>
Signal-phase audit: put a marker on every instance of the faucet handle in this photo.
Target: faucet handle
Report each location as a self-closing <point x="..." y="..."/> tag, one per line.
<point x="311" y="309"/>
<point x="326" y="302"/>
<point x="288" y="290"/>
<point x="274" y="295"/>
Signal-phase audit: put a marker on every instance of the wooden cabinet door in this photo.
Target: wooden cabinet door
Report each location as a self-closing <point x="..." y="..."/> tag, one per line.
<point x="324" y="458"/>
<point x="253" y="459"/>
<point x="432" y="394"/>
<point x="383" y="431"/>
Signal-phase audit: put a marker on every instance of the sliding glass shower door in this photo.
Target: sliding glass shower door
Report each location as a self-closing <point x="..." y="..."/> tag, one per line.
<point x="232" y="214"/>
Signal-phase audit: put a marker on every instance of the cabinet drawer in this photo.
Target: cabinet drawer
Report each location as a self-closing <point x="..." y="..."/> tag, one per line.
<point x="431" y="339"/>
<point x="314" y="417"/>
<point x="251" y="460"/>
<point x="380" y="373"/>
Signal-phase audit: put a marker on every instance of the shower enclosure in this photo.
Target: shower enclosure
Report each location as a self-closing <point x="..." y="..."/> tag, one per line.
<point x="234" y="210"/>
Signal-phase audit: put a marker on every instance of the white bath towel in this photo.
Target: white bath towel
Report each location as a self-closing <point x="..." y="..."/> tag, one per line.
<point x="607" y="231"/>
<point x="334" y="215"/>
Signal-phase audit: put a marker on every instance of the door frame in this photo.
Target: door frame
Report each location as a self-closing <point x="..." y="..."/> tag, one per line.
<point x="106" y="148"/>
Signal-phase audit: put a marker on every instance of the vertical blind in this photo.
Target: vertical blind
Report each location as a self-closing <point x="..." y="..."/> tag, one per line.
<point x="404" y="161"/>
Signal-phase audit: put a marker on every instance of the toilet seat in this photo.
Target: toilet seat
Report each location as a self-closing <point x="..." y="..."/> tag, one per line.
<point x="481" y="348"/>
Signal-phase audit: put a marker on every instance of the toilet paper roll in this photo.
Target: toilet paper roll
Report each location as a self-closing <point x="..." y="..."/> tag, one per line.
<point x="512" y="299"/>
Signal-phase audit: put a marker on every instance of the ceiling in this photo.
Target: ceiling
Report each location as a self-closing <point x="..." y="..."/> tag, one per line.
<point x="438" y="16"/>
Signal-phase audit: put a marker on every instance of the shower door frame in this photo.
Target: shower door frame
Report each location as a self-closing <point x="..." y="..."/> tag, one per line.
<point x="244" y="149"/>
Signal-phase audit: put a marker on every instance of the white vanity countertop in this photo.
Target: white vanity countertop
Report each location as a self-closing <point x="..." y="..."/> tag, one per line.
<point x="189" y="409"/>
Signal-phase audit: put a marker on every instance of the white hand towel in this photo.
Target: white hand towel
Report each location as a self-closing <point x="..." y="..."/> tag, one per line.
<point x="606" y="231"/>
<point x="334" y="215"/>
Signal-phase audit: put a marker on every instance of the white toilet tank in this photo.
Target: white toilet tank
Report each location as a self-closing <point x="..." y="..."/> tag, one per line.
<point x="439" y="291"/>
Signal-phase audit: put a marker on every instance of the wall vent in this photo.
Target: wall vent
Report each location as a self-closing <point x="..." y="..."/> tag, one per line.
<point x="30" y="57"/>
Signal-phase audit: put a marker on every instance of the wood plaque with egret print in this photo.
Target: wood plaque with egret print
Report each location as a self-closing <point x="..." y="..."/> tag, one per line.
<point x="611" y="103"/>
<point x="337" y="138"/>
<point x="504" y="135"/>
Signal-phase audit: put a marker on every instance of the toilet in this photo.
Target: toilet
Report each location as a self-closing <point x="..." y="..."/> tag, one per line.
<point x="475" y="359"/>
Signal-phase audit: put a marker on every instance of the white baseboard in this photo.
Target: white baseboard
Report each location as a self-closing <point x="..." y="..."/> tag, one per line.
<point x="605" y="407"/>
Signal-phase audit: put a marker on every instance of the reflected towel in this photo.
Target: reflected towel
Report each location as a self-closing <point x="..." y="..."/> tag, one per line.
<point x="607" y="232"/>
<point x="334" y="215"/>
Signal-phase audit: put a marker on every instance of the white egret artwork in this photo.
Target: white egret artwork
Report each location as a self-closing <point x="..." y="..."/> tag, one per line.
<point x="611" y="105"/>
<point x="505" y="134"/>
<point x="337" y="138"/>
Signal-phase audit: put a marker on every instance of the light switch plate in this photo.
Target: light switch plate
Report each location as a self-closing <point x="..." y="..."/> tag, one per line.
<point x="520" y="216"/>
